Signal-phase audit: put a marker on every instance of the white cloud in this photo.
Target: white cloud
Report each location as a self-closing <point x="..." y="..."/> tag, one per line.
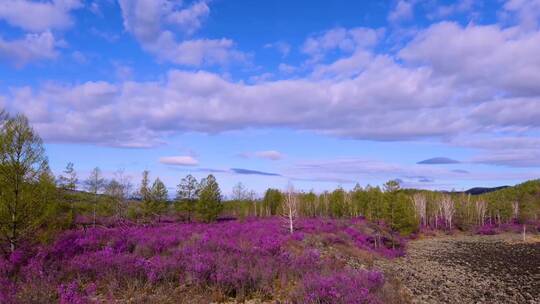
<point x="270" y="154"/>
<point x="510" y="158"/>
<point x="158" y="25"/>
<point x="39" y="16"/>
<point x="340" y="39"/>
<point x="179" y="160"/>
<point x="286" y="68"/>
<point x="196" y="52"/>
<point x="189" y="19"/>
<point x="402" y="11"/>
<point x="468" y="54"/>
<point x="434" y="88"/>
<point x="354" y="169"/>
<point x="522" y="151"/>
<point x="282" y="47"/>
<point x="527" y="11"/>
<point x="32" y="47"/>
<point x="458" y="7"/>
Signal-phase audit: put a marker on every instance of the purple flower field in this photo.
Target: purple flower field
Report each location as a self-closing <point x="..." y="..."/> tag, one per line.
<point x="172" y="262"/>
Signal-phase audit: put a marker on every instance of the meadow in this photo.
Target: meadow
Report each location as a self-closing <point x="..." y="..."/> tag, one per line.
<point x="198" y="262"/>
<point x="63" y="240"/>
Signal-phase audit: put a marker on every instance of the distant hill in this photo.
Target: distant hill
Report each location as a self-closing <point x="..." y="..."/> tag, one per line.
<point x="482" y="190"/>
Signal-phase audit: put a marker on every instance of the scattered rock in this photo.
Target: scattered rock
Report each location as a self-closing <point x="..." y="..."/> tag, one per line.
<point x="468" y="269"/>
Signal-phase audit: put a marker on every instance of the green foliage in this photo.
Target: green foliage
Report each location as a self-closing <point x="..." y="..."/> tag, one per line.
<point x="154" y="202"/>
<point x="68" y="180"/>
<point x="209" y="204"/>
<point x="25" y="182"/>
<point x="400" y="214"/>
<point x="392" y="185"/>
<point x="272" y="201"/>
<point x="187" y="195"/>
<point x="336" y="199"/>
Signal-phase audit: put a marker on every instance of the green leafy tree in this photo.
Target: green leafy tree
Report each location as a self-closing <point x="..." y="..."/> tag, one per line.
<point x="209" y="205"/>
<point x="187" y="195"/>
<point x="52" y="215"/>
<point x="272" y="201"/>
<point x="392" y="185"/>
<point x="160" y="197"/>
<point x="22" y="162"/>
<point x="337" y="202"/>
<point x="144" y="189"/>
<point x="154" y="202"/>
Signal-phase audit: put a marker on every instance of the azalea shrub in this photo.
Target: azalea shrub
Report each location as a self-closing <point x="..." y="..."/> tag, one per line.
<point x="255" y="258"/>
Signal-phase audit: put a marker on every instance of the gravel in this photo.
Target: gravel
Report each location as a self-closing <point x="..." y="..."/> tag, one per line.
<point x="468" y="269"/>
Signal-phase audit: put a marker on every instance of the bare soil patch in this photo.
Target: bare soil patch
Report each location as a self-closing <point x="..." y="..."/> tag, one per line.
<point x="469" y="269"/>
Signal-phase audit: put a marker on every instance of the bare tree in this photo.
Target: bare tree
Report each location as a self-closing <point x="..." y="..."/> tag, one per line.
<point x="438" y="212"/>
<point x="119" y="189"/>
<point x="448" y="210"/>
<point x="252" y="197"/>
<point x="94" y="184"/>
<point x="481" y="209"/>
<point x="419" y="201"/>
<point x="239" y="192"/>
<point x="515" y="209"/>
<point x="290" y="207"/>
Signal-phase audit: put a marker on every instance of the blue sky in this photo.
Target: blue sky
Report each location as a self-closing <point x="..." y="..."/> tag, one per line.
<point x="319" y="93"/>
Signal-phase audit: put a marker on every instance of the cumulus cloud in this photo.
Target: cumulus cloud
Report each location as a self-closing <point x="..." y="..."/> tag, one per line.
<point x="179" y="160"/>
<point x="159" y="25"/>
<point x="32" y="47"/>
<point x="39" y="16"/>
<point x="401" y="12"/>
<point x="458" y="7"/>
<point x="37" y="19"/>
<point x="467" y="54"/>
<point x="433" y="88"/>
<point x="527" y="12"/>
<point x="340" y="39"/>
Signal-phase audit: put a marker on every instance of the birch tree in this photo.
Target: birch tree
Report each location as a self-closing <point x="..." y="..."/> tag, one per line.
<point x="481" y="209"/>
<point x="448" y="210"/>
<point x="95" y="184"/>
<point x="419" y="202"/>
<point x="290" y="207"/>
<point x="22" y="162"/>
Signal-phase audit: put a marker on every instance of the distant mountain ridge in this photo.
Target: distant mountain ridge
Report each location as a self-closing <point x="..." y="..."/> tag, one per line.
<point x="482" y="190"/>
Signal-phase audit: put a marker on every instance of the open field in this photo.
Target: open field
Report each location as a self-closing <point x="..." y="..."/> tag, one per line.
<point x="323" y="261"/>
<point x="470" y="269"/>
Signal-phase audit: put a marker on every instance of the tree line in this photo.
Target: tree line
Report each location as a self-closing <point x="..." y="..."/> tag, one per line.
<point x="36" y="205"/>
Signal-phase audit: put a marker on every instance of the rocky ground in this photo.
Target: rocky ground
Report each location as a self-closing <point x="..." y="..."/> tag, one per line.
<point x="469" y="269"/>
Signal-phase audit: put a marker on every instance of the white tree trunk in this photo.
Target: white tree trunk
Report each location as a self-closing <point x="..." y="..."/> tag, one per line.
<point x="290" y="207"/>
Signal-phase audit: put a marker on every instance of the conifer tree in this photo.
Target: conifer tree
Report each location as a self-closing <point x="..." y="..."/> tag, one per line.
<point x="209" y="205"/>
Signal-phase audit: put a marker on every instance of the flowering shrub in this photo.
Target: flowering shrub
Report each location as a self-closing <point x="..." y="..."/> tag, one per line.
<point x="345" y="287"/>
<point x="512" y="227"/>
<point x="253" y="258"/>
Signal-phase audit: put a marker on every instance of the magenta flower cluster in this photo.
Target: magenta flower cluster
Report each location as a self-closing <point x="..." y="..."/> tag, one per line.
<point x="240" y="259"/>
